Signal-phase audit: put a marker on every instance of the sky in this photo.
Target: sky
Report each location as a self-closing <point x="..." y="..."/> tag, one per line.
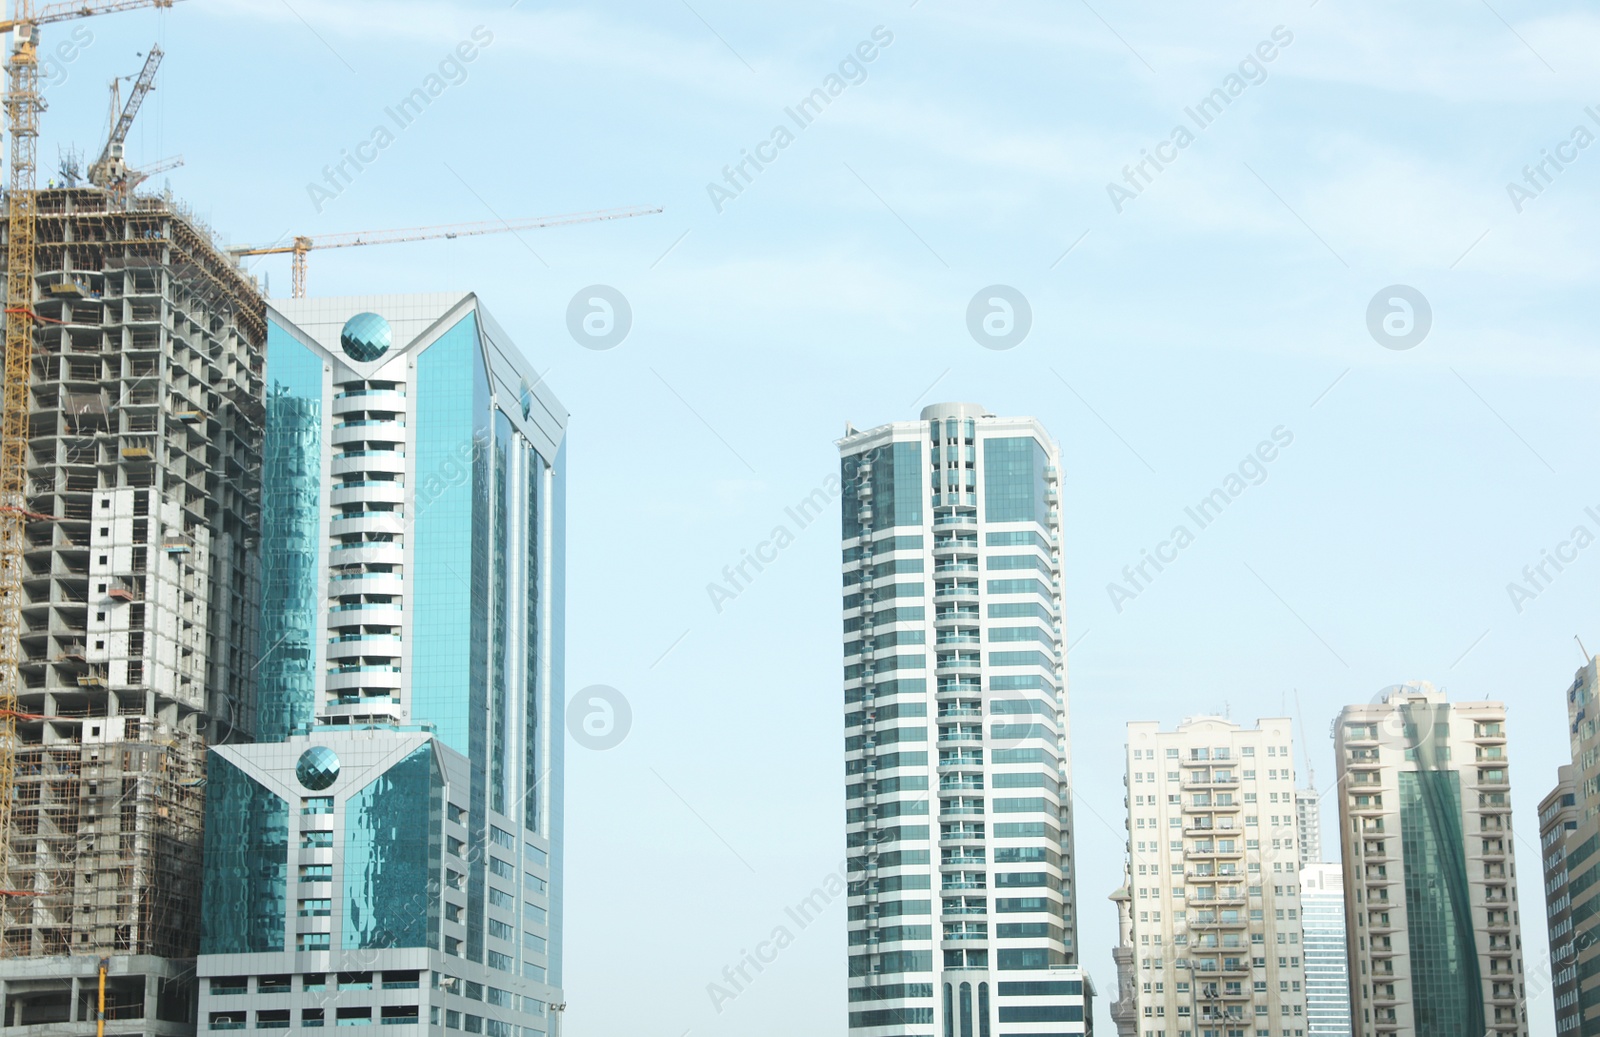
<point x="1338" y="252"/>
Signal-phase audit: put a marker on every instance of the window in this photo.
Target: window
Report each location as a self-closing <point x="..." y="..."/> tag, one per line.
<point x="501" y="837"/>
<point x="500" y="898"/>
<point x="315" y="840"/>
<point x="311" y="942"/>
<point x="501" y="931"/>
<point x="500" y="869"/>
<point x="312" y="981"/>
<point x="315" y="908"/>
<point x="230" y="985"/>
<point x="272" y="1019"/>
<point x="227" y="1020"/>
<point x="310" y="1017"/>
<point x="355" y="981"/>
<point x="316" y="805"/>
<point x="399" y="1015"/>
<point x="273" y="985"/>
<point x="316" y="873"/>
<point x="400" y="981"/>
<point x="355" y="1017"/>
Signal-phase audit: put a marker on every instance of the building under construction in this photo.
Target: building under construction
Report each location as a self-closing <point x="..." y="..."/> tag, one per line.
<point x="140" y="580"/>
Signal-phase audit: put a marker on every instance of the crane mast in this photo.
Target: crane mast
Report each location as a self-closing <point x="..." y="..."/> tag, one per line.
<point x="22" y="119"/>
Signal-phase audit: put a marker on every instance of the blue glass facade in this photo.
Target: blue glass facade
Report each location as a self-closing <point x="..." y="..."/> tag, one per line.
<point x="246" y="863"/>
<point x="291" y="534"/>
<point x="504" y="607"/>
<point x="896" y="479"/>
<point x="393" y="835"/>
<point x="1446" y="982"/>
<point x="450" y="538"/>
<point x="556" y="518"/>
<point x="534" y="467"/>
<point x="421" y="475"/>
<point x="1014" y="481"/>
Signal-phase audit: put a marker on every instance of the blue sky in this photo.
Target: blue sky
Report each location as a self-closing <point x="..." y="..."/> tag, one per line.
<point x="1167" y="340"/>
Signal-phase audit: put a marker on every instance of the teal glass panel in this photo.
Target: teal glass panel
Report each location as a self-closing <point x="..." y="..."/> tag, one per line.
<point x="533" y="465"/>
<point x="451" y="418"/>
<point x="1014" y="485"/>
<point x="556" y="831"/>
<point x="245" y="891"/>
<point x="1446" y="983"/>
<point x="291" y="486"/>
<point x="896" y="487"/>
<point x="504" y="609"/>
<point x="449" y="581"/>
<point x="393" y="831"/>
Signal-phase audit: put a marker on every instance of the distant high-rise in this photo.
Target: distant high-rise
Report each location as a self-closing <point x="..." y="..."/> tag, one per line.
<point x="1558" y="820"/>
<point x="969" y="929"/>
<point x="1308" y="818"/>
<point x="1214" y="883"/>
<point x="390" y="852"/>
<point x="1326" y="953"/>
<point x="1569" y="839"/>
<point x="1429" y="866"/>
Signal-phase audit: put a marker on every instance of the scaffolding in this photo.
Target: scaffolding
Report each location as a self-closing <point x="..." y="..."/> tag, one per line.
<point x="138" y="582"/>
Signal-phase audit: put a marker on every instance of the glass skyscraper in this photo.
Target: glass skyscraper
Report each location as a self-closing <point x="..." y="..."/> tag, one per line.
<point x="389" y="851"/>
<point x="961" y="924"/>
<point x="1327" y="967"/>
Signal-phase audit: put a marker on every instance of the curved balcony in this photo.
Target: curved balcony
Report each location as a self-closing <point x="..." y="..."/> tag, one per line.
<point x="365" y="583"/>
<point x="391" y="522"/>
<point x="368" y="431"/>
<point x="364" y="646"/>
<point x="369" y="399"/>
<point x="358" y="461"/>
<point x="377" y="491"/>
<point x="364" y="613"/>
<point x="374" y="677"/>
<point x="391" y="552"/>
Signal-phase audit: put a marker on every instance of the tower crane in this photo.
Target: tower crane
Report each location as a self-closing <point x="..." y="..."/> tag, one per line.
<point x="23" y="105"/>
<point x="302" y="244"/>
<point x="110" y="172"/>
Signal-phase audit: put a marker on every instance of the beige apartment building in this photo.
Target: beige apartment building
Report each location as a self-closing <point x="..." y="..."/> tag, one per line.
<point x="1213" y="894"/>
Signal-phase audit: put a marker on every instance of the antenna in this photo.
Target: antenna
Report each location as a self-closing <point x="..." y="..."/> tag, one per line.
<point x="1585" y="651"/>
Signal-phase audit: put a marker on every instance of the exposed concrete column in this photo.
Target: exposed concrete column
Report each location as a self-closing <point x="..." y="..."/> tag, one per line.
<point x="72" y="1013"/>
